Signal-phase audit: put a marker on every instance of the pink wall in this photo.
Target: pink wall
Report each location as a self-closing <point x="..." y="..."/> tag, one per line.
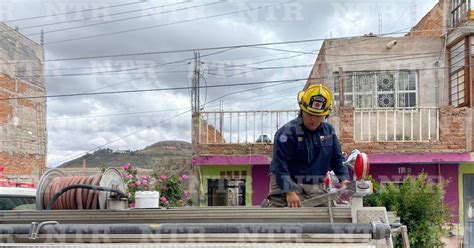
<point x="392" y="172"/>
<point x="260" y="183"/>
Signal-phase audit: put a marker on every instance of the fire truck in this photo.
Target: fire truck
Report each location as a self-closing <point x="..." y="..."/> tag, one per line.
<point x="16" y="195"/>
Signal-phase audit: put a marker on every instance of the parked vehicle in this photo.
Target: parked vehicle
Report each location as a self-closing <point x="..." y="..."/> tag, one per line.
<point x="13" y="198"/>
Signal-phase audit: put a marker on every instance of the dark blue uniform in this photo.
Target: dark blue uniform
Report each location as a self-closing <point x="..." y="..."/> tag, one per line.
<point x="304" y="157"/>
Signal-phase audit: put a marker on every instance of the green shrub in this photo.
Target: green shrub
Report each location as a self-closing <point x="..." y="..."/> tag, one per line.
<point x="420" y="206"/>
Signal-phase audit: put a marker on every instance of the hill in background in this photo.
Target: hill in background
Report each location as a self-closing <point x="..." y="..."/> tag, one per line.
<point x="167" y="157"/>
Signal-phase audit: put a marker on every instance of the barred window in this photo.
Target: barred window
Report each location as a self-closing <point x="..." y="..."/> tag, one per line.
<point x="379" y="89"/>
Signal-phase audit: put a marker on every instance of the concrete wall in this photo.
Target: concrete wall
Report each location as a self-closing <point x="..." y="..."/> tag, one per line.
<point x="23" y="141"/>
<point x="20" y="57"/>
<point x="422" y="54"/>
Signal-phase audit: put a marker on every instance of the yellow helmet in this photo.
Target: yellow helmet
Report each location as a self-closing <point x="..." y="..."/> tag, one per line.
<point x="316" y="100"/>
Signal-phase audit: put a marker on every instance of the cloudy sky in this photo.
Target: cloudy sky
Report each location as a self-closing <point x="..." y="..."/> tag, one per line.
<point x="131" y="121"/>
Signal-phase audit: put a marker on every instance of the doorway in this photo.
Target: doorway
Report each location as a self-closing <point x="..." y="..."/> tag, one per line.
<point x="226" y="192"/>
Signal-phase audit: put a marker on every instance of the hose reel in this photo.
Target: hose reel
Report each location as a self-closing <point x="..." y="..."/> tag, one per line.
<point x="57" y="191"/>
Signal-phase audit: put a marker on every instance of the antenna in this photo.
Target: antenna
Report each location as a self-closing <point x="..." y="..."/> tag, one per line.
<point x="413" y="7"/>
<point x="380" y="23"/>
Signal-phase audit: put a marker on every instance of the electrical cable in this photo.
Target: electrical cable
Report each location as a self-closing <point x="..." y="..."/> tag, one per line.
<point x="163" y="25"/>
<point x="73" y="12"/>
<point x="101" y="16"/>
<point x="119" y="20"/>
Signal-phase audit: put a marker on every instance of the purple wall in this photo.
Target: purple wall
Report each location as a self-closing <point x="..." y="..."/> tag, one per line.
<point x="260" y="183"/>
<point x="397" y="172"/>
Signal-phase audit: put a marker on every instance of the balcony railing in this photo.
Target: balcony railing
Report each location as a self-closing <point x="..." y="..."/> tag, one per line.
<point x="406" y="124"/>
<point x="242" y="127"/>
<point x="254" y="127"/>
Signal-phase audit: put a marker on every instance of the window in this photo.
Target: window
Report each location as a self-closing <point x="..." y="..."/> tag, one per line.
<point x="9" y="202"/>
<point x="459" y="11"/>
<point x="457" y="74"/>
<point x="387" y="89"/>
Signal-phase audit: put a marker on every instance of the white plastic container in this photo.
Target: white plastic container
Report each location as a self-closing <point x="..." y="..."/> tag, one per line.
<point x="147" y="199"/>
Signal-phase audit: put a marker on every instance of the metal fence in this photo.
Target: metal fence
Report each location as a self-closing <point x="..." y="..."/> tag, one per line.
<point x="404" y="124"/>
<point x="242" y="127"/>
<point x="370" y="124"/>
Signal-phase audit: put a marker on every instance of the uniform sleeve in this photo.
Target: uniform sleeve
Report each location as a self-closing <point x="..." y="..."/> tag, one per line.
<point x="282" y="152"/>
<point x="339" y="169"/>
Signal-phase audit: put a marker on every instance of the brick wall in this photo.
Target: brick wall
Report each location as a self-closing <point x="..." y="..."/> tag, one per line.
<point x="213" y="135"/>
<point x="23" y="135"/>
<point x="432" y="21"/>
<point x="22" y="129"/>
<point x="452" y="135"/>
<point x="234" y="149"/>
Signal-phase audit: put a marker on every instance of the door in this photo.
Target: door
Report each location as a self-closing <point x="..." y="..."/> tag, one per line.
<point x="224" y="192"/>
<point x="468" y="200"/>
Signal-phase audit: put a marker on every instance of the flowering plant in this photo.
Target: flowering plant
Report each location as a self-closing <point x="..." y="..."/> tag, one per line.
<point x="171" y="188"/>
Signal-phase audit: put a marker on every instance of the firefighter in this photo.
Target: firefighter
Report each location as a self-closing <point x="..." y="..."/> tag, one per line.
<point x="305" y="149"/>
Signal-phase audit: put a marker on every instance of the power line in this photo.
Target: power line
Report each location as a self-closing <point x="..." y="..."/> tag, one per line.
<point x="163" y="25"/>
<point x="223" y="47"/>
<point x="73" y="12"/>
<point x="123" y="19"/>
<point x="146" y="67"/>
<point x="187" y="88"/>
<point x="100" y="16"/>
<point x="123" y="137"/>
<point x="177" y="109"/>
<point x="127" y="135"/>
<point x="151" y="90"/>
<point x="206" y="55"/>
<point x="385" y="56"/>
<point x="200" y="49"/>
<point x="114" y="115"/>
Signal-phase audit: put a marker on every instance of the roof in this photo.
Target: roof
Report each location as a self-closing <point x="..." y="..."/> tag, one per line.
<point x="12" y="191"/>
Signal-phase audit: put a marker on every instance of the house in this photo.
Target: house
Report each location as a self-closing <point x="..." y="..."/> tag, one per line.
<point x="407" y="101"/>
<point x="23" y="132"/>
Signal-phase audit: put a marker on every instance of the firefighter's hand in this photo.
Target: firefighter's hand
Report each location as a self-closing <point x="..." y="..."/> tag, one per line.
<point x="293" y="200"/>
<point x="346" y="183"/>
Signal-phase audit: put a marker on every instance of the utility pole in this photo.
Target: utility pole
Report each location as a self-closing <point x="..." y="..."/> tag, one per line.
<point x="195" y="105"/>
<point x="42" y="38"/>
<point x="195" y="101"/>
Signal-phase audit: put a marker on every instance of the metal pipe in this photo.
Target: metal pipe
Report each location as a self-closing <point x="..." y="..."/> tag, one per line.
<point x="377" y="231"/>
